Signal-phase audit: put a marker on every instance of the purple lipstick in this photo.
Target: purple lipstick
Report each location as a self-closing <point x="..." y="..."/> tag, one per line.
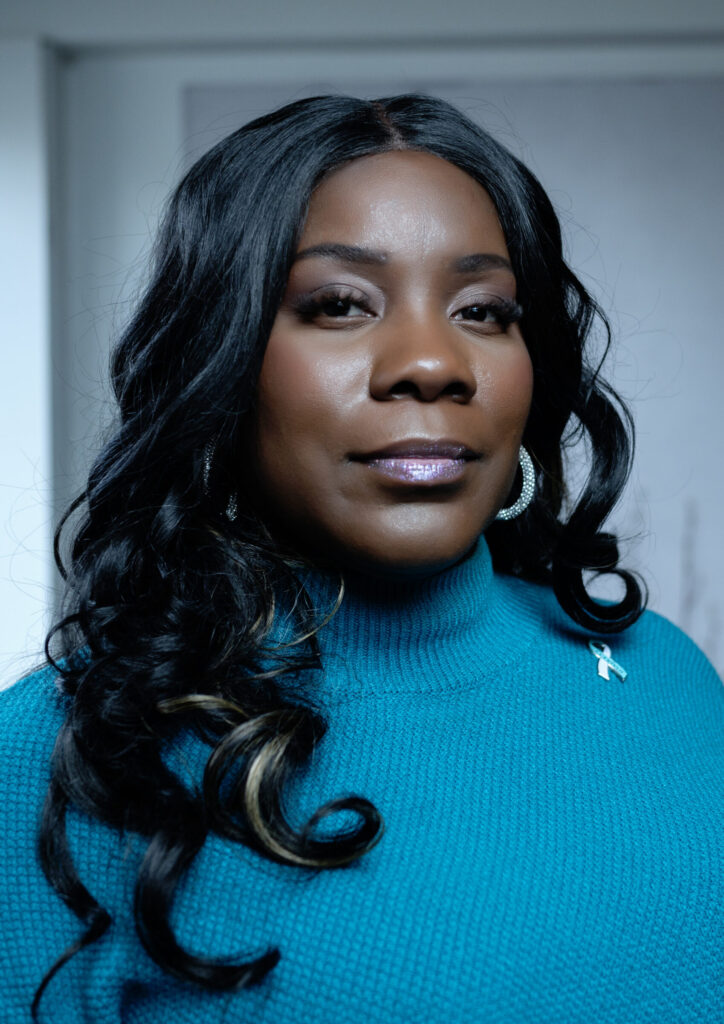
<point x="421" y="461"/>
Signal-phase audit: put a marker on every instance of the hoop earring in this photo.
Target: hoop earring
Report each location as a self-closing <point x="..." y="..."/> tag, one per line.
<point x="231" y="510"/>
<point x="527" y="490"/>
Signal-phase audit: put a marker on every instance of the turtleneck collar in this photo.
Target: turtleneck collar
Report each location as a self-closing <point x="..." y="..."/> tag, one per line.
<point x="441" y="632"/>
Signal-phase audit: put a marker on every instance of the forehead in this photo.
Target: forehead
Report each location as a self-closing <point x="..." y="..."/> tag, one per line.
<point x="400" y="199"/>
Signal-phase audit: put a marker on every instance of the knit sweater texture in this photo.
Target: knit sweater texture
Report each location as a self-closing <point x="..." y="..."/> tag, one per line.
<point x="553" y="846"/>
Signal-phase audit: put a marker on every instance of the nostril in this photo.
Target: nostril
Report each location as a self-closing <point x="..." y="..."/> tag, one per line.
<point x="416" y="377"/>
<point x="405" y="387"/>
<point x="456" y="389"/>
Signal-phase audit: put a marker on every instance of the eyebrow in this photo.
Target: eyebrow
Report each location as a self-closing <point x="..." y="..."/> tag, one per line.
<point x="355" y="254"/>
<point x="481" y="261"/>
<point x="345" y="253"/>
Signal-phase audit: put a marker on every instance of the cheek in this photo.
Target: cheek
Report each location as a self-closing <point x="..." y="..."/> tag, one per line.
<point x="307" y="385"/>
<point x="305" y="392"/>
<point x="507" y="387"/>
<point x="290" y="395"/>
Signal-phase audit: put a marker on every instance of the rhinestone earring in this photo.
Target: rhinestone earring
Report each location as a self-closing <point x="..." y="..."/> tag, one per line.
<point x="231" y="510"/>
<point x="527" y="490"/>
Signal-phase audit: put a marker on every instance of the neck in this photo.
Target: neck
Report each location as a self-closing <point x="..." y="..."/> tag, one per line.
<point x="416" y="634"/>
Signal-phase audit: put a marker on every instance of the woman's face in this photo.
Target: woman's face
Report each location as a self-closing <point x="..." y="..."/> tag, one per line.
<point x="396" y="384"/>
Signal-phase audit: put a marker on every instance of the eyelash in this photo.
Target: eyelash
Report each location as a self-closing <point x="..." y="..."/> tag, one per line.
<point x="505" y="311"/>
<point x="309" y="307"/>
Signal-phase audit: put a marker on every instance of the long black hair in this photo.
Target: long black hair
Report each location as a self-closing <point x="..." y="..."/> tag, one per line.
<point x="171" y="600"/>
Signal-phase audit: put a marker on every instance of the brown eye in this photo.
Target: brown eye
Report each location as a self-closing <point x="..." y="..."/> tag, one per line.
<point x="502" y="312"/>
<point x="331" y="305"/>
<point x="340" y="307"/>
<point x="483" y="314"/>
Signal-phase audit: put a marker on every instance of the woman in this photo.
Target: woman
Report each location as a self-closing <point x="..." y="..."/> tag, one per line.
<point x="327" y="576"/>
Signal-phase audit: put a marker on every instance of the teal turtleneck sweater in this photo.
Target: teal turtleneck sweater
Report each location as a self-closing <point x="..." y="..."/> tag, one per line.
<point x="553" y="852"/>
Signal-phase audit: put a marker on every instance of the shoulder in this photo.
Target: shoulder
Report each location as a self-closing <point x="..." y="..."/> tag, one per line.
<point x="676" y="661"/>
<point x="36" y="696"/>
<point x="653" y="648"/>
<point x="32" y="711"/>
<point x="654" y="628"/>
<point x="37" y="925"/>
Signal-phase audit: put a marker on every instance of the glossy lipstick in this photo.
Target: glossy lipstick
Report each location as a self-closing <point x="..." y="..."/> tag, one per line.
<point x="420" y="471"/>
<point x="421" y="461"/>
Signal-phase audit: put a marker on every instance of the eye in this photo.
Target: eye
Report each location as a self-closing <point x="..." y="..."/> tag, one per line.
<point x="340" y="307"/>
<point x="332" y="304"/>
<point x="481" y="313"/>
<point x="498" y="312"/>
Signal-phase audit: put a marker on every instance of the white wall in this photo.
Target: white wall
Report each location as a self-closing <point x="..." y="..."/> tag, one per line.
<point x="285" y="23"/>
<point x="25" y="405"/>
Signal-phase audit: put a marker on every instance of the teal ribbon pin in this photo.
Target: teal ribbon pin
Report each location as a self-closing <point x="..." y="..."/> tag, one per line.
<point x="605" y="661"/>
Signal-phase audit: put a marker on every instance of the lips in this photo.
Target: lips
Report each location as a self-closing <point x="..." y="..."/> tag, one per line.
<point x="420" y="448"/>
<point x="420" y="461"/>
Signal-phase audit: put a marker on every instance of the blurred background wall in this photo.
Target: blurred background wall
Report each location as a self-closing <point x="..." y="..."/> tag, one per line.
<point x="617" y="107"/>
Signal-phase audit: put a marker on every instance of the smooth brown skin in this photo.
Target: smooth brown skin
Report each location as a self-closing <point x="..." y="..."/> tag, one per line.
<point x="411" y="361"/>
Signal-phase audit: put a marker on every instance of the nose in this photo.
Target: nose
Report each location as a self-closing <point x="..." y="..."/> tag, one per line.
<point x="424" y="362"/>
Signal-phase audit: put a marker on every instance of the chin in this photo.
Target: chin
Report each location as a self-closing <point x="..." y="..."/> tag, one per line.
<point x="407" y="560"/>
